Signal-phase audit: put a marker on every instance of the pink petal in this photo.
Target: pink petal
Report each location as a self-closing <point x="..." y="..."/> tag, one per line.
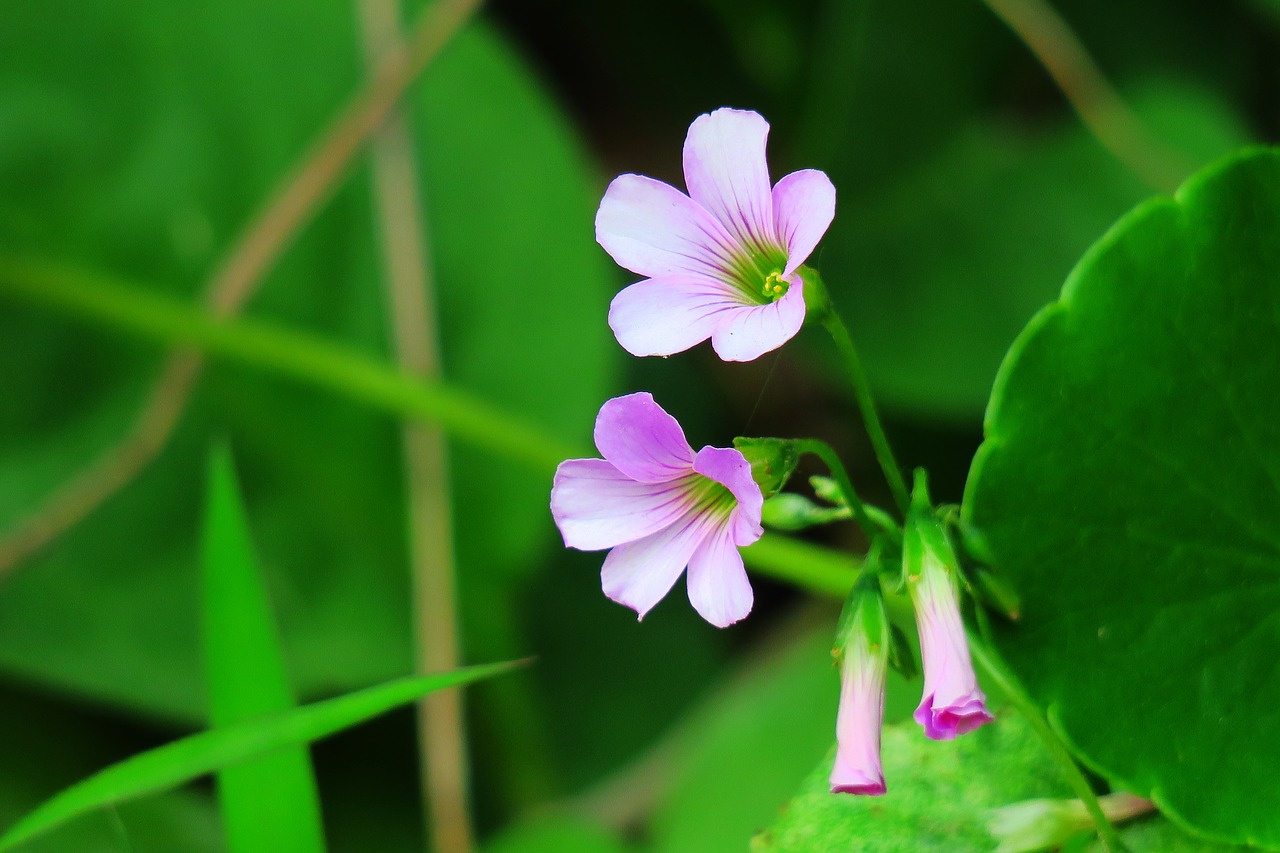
<point x="597" y="506"/>
<point x="750" y="332"/>
<point x="950" y="720"/>
<point x="718" y="585"/>
<point x="804" y="203"/>
<point x="730" y="468"/>
<point x="638" y="574"/>
<point x="726" y="172"/>
<point x="653" y="229"/>
<point x="952" y="703"/>
<point x="663" y="316"/>
<point x="641" y="440"/>
<point x="857" y="768"/>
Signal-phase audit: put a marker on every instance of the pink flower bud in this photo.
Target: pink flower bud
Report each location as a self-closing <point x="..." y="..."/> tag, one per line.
<point x="865" y="655"/>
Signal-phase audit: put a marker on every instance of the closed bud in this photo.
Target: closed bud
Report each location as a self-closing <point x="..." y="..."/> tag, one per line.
<point x="952" y="704"/>
<point x="862" y="650"/>
<point x="789" y="511"/>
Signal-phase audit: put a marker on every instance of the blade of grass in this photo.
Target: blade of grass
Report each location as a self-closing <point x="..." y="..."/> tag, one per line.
<point x="270" y="803"/>
<point x="191" y="757"/>
<point x="111" y="302"/>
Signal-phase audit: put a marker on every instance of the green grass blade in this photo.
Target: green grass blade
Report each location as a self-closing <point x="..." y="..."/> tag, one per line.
<point x="128" y="307"/>
<point x="175" y="763"/>
<point x="270" y="803"/>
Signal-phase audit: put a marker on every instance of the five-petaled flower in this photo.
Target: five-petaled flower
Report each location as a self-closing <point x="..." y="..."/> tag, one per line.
<point x="952" y="704"/>
<point x="722" y="261"/>
<point x="864" y="661"/>
<point x="660" y="507"/>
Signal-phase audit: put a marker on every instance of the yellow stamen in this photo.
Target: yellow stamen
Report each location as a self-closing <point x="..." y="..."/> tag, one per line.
<point x="775" y="285"/>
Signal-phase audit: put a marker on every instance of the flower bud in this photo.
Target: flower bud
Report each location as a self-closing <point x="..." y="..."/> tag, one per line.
<point x="863" y="655"/>
<point x="789" y="511"/>
<point x="952" y="704"/>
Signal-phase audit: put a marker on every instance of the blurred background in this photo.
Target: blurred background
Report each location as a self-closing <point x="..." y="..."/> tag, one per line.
<point x="141" y="139"/>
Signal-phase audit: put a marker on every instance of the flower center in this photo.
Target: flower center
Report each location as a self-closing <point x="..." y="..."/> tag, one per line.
<point x="710" y="497"/>
<point x="756" y="271"/>
<point x="775" y="286"/>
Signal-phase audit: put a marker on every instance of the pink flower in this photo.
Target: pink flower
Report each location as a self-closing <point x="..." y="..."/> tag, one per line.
<point x="661" y="507"/>
<point x="721" y="262"/>
<point x="865" y="658"/>
<point x="953" y="704"/>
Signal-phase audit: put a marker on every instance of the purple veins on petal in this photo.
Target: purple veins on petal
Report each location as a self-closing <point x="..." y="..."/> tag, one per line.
<point x="751" y="332"/>
<point x="661" y="508"/>
<point x="641" y="440"/>
<point x="720" y="262"/>
<point x="804" y="203"/>
<point x="727" y="174"/>
<point x="664" y="316"/>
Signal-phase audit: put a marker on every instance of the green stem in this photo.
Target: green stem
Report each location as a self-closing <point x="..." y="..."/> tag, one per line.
<point x="109" y="302"/>
<point x="802" y="564"/>
<point x="1012" y="688"/>
<point x="861" y="389"/>
<point x="829" y="458"/>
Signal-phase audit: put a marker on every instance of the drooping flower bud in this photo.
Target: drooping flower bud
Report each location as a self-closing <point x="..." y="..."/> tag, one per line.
<point x="863" y="653"/>
<point x="952" y="704"/>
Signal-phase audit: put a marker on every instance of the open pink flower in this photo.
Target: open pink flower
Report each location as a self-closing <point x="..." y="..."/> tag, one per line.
<point x="857" y="768"/>
<point x="720" y="262"/>
<point x="661" y="507"/>
<point x="952" y="704"/>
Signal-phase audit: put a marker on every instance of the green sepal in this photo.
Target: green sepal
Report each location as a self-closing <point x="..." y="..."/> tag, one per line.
<point x="991" y="589"/>
<point x="789" y="511"/>
<point x="864" y="609"/>
<point x="817" y="302"/>
<point x="996" y="593"/>
<point x="773" y="461"/>
<point x="924" y="537"/>
<point x="901" y="656"/>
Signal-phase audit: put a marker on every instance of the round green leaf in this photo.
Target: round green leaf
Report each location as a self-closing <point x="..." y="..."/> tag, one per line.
<point x="1129" y="486"/>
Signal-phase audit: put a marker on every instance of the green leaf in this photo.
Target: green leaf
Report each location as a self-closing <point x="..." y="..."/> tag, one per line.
<point x="270" y="803"/>
<point x="147" y="166"/>
<point x="939" y="797"/>
<point x="937" y="271"/>
<point x="1129" y="489"/>
<point x="175" y="763"/>
<point x="554" y="835"/>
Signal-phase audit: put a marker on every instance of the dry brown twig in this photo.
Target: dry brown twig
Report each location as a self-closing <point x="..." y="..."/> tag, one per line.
<point x="1052" y="41"/>
<point x="285" y="212"/>
<point x="411" y="313"/>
